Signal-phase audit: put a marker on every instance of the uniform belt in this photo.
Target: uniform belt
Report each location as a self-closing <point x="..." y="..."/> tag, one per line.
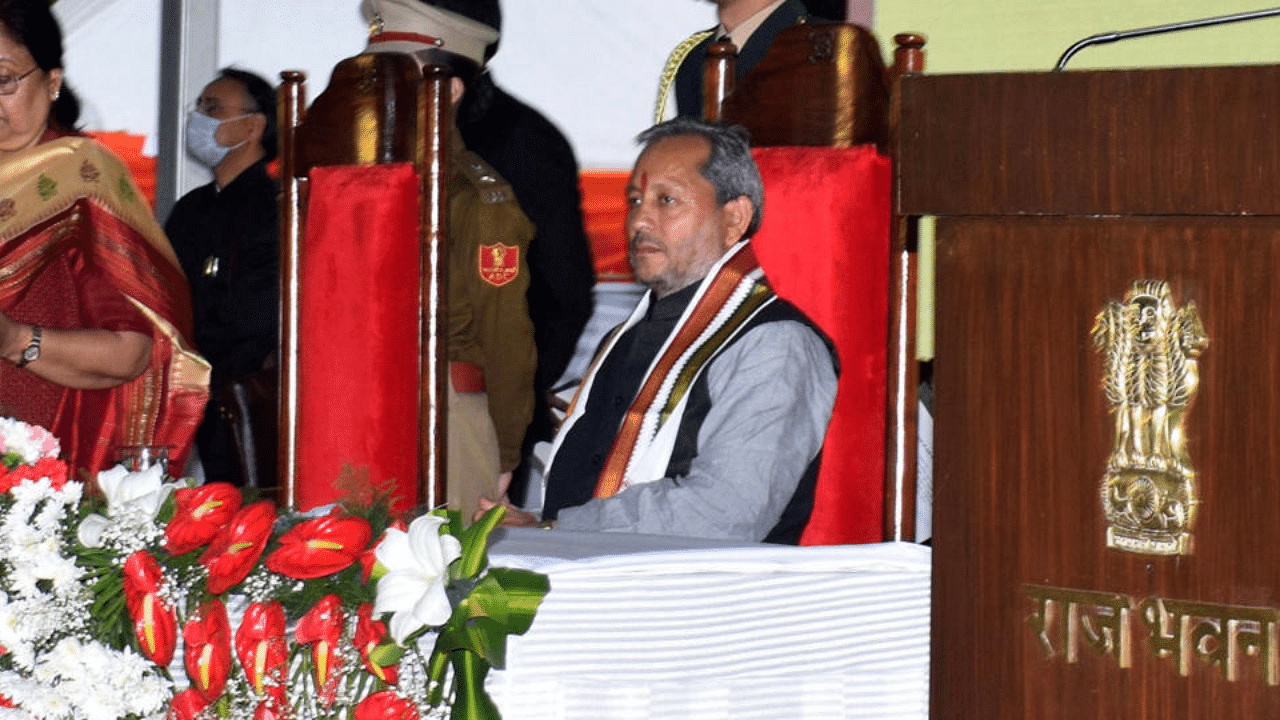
<point x="466" y="377"/>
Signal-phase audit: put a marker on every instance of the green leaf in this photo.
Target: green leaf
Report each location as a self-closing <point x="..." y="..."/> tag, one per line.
<point x="386" y="654"/>
<point x="471" y="702"/>
<point x="438" y="663"/>
<point x="167" y="509"/>
<point x="522" y="593"/>
<point x="298" y="598"/>
<point x="376" y="572"/>
<point x="482" y="636"/>
<point x="508" y="596"/>
<point x="454" y="525"/>
<point x="503" y="603"/>
<point x="488" y="638"/>
<point x="475" y="542"/>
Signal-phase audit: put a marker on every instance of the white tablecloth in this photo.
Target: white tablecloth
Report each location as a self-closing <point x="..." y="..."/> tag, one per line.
<point x="645" y="627"/>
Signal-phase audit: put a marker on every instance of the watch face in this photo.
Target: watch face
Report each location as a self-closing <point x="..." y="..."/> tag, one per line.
<point x="31" y="353"/>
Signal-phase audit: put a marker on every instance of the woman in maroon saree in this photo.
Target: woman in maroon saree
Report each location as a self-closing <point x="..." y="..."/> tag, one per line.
<point x="95" y="317"/>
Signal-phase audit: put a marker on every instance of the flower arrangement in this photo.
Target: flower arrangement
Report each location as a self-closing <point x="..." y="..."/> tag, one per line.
<point x="145" y="598"/>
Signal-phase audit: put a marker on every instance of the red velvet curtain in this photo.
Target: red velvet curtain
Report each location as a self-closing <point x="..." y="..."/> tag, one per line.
<point x="358" y="333"/>
<point x="825" y="247"/>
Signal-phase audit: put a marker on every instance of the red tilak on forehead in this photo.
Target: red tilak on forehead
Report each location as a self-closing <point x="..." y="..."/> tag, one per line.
<point x="644" y="181"/>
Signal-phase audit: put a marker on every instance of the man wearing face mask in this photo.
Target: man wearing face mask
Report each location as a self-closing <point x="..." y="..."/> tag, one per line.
<point x="226" y="236"/>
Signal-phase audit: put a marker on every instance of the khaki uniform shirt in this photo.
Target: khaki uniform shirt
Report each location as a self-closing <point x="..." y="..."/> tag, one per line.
<point x="489" y="322"/>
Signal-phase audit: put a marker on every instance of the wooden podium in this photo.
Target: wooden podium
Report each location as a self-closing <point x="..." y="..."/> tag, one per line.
<point x="1107" y="488"/>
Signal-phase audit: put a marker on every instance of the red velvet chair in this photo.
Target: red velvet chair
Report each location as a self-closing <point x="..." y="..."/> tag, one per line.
<point x="363" y="345"/>
<point x="824" y="247"/>
<point x="818" y="106"/>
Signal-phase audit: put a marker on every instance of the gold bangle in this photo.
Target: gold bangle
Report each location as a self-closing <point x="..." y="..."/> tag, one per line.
<point x="547" y="525"/>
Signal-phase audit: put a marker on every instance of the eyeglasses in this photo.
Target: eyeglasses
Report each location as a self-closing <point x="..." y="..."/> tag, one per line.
<point x="213" y="108"/>
<point x="9" y="83"/>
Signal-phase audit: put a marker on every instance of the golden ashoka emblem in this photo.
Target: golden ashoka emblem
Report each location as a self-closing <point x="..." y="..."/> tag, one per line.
<point x="1150" y="349"/>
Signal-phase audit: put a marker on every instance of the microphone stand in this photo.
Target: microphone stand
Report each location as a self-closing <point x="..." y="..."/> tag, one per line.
<point x="1110" y="37"/>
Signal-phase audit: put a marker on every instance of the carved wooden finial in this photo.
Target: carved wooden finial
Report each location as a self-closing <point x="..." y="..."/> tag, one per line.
<point x="908" y="56"/>
<point x="719" y="75"/>
<point x="721" y="48"/>
<point x="291" y="106"/>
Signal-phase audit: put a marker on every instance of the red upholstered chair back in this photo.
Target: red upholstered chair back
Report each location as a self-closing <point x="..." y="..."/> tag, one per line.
<point x="824" y="246"/>
<point x="821" y="100"/>
<point x="362" y="185"/>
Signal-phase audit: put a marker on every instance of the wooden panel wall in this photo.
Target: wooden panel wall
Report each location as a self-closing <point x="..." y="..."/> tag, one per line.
<point x="1023" y="436"/>
<point x="1176" y="141"/>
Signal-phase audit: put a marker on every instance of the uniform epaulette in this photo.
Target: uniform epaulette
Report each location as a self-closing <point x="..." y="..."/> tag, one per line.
<point x="491" y="186"/>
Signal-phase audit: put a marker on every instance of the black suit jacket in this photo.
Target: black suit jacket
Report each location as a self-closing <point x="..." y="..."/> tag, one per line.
<point x="235" y="301"/>
<point x="689" y="76"/>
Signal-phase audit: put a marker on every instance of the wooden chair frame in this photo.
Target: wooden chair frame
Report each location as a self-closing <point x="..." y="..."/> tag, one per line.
<point x="901" y="413"/>
<point x="327" y="134"/>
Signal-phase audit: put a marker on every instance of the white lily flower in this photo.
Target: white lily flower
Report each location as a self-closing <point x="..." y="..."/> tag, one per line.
<point x="417" y="565"/>
<point x="145" y="490"/>
<point x="142" y="492"/>
<point x="90" y="531"/>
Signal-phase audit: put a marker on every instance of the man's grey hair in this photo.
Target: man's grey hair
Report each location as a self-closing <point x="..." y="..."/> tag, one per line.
<point x="729" y="168"/>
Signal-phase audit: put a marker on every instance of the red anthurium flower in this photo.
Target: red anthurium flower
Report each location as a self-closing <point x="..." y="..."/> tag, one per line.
<point x="273" y="708"/>
<point x="321" y="628"/>
<point x="201" y="513"/>
<point x="154" y="622"/>
<point x="321" y="546"/>
<point x="207" y="636"/>
<point x="186" y="705"/>
<point x="237" y="547"/>
<point x="369" y="633"/>
<point x="386" y="705"/>
<point x="261" y="646"/>
<point x="369" y="557"/>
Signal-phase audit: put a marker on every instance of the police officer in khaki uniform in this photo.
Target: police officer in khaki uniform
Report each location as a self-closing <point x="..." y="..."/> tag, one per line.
<point x="491" y="350"/>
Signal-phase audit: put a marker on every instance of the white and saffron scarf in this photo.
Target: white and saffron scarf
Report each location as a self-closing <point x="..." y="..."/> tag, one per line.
<point x="726" y="300"/>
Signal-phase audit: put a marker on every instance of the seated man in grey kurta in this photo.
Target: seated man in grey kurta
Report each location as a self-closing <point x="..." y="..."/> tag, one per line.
<point x="703" y="415"/>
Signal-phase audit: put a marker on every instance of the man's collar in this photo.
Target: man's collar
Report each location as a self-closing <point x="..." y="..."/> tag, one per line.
<point x="258" y="168"/>
<point x="671" y="306"/>
<point x="740" y="34"/>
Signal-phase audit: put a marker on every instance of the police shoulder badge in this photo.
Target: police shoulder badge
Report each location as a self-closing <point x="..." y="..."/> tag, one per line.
<point x="499" y="264"/>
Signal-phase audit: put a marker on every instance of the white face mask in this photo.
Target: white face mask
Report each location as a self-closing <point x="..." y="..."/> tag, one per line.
<point x="202" y="141"/>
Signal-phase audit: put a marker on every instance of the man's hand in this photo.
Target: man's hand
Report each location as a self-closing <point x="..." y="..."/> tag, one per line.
<point x="515" y="517"/>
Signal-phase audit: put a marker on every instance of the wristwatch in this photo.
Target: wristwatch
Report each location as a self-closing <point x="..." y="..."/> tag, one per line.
<point x="31" y="352"/>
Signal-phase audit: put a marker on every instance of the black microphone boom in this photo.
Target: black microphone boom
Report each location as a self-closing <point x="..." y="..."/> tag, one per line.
<point x="1110" y="37"/>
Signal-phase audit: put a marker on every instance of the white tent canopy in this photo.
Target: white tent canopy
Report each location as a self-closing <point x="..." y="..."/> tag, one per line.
<point x="592" y="66"/>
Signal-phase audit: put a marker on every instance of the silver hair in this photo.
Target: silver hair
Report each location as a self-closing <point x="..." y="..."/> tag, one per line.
<point x="729" y="167"/>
